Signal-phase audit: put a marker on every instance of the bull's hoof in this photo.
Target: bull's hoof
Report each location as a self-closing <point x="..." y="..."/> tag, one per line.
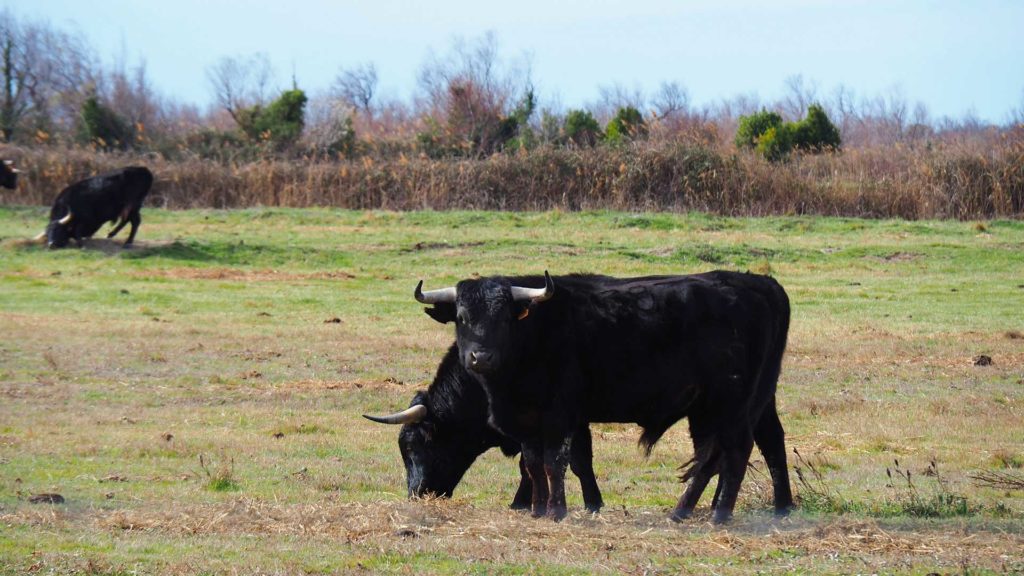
<point x="539" y="511"/>
<point x="680" y="514"/>
<point x="519" y="505"/>
<point x="722" y="516"/>
<point x="595" y="508"/>
<point x="783" y="512"/>
<point x="557" y="513"/>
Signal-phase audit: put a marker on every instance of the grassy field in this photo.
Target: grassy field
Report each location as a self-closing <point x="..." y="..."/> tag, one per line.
<point x="196" y="400"/>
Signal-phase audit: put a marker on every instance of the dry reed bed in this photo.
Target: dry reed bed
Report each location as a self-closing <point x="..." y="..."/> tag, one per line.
<point x="948" y="180"/>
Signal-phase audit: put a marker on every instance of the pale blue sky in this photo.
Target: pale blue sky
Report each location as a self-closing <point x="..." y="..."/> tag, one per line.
<point x="954" y="56"/>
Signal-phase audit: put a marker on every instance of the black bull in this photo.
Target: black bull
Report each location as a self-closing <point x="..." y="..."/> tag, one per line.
<point x="83" y="207"/>
<point x="8" y="175"/>
<point x="555" y="354"/>
<point x="445" y="429"/>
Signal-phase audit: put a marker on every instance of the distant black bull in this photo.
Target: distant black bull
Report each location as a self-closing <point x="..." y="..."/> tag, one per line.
<point x="8" y="175"/>
<point x="445" y="429"/>
<point x="82" y="208"/>
<point x="555" y="354"/>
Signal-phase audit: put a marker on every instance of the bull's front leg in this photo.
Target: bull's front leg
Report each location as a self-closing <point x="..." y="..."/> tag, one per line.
<point x="533" y="457"/>
<point x="556" y="460"/>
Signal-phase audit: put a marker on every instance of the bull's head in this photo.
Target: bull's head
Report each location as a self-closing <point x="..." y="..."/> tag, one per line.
<point x="435" y="456"/>
<point x="485" y="312"/>
<point x="58" y="232"/>
<point x="8" y="175"/>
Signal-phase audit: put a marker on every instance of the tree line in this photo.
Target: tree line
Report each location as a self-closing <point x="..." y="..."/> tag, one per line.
<point x="470" y="102"/>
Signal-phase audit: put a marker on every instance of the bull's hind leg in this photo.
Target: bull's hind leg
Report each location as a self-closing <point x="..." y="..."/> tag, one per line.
<point x="123" y="219"/>
<point x="771" y="441"/>
<point x="524" y="494"/>
<point x="135" y="218"/>
<point x="736" y="446"/>
<point x="705" y="462"/>
<point x="582" y="465"/>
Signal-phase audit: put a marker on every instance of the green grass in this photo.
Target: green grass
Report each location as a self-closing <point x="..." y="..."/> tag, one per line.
<point x="198" y="407"/>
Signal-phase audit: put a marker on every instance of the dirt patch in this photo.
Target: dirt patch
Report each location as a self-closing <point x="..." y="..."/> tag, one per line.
<point x="897" y="257"/>
<point x="234" y="274"/>
<point x="440" y="246"/>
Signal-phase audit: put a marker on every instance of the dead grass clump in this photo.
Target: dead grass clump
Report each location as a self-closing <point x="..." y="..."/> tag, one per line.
<point x="219" y="477"/>
<point x="1004" y="458"/>
<point x="907" y="498"/>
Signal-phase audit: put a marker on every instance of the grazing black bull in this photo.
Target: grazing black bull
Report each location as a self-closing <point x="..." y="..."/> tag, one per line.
<point x="445" y="429"/>
<point x="8" y="175"/>
<point x="552" y="355"/>
<point x="82" y="208"/>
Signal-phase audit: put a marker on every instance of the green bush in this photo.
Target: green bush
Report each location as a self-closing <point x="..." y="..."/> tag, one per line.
<point x="102" y="126"/>
<point x="776" y="143"/>
<point x="752" y="127"/>
<point x="628" y="124"/>
<point x="280" y="122"/>
<point x="815" y="133"/>
<point x="765" y="132"/>
<point x="581" y="128"/>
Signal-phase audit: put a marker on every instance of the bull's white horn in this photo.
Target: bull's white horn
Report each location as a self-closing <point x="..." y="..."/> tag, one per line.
<point x="65" y="219"/>
<point x="410" y="415"/>
<point x="39" y="236"/>
<point x="535" y="294"/>
<point x="434" y="296"/>
<point x="8" y="162"/>
<point x="15" y="171"/>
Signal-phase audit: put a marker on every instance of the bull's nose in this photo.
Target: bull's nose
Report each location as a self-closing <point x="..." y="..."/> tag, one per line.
<point x="480" y="360"/>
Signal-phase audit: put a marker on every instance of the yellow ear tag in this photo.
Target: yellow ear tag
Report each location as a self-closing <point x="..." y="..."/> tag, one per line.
<point x="524" y="313"/>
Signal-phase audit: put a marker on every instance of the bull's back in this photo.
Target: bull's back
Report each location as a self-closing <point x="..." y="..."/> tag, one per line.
<point x="652" y="345"/>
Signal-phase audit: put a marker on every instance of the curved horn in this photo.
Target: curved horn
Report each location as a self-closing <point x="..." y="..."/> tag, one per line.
<point x="446" y="295"/>
<point x="410" y="415"/>
<point x="536" y="294"/>
<point x="40" y="236"/>
<point x="8" y="162"/>
<point x="66" y="219"/>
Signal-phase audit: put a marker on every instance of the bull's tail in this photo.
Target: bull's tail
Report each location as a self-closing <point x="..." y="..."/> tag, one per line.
<point x="650" y="437"/>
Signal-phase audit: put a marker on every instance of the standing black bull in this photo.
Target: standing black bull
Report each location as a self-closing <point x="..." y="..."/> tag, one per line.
<point x="82" y="208"/>
<point x="445" y="429"/>
<point x="553" y="355"/>
<point x="8" y="175"/>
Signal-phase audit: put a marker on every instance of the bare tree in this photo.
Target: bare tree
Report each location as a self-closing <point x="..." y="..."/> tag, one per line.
<point x="46" y="76"/>
<point x="612" y="98"/>
<point x="672" y="100"/>
<point x="241" y="82"/>
<point x="357" y="87"/>
<point x="469" y="91"/>
<point x="798" y="97"/>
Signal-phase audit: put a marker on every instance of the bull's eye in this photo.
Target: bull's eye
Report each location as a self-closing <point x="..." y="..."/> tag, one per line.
<point x="461" y="319"/>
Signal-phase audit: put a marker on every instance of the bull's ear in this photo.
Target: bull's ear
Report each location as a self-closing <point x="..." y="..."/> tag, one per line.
<point x="523" y="310"/>
<point x="442" y="312"/>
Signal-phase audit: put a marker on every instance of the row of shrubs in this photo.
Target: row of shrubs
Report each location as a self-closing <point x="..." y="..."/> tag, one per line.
<point x="938" y="182"/>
